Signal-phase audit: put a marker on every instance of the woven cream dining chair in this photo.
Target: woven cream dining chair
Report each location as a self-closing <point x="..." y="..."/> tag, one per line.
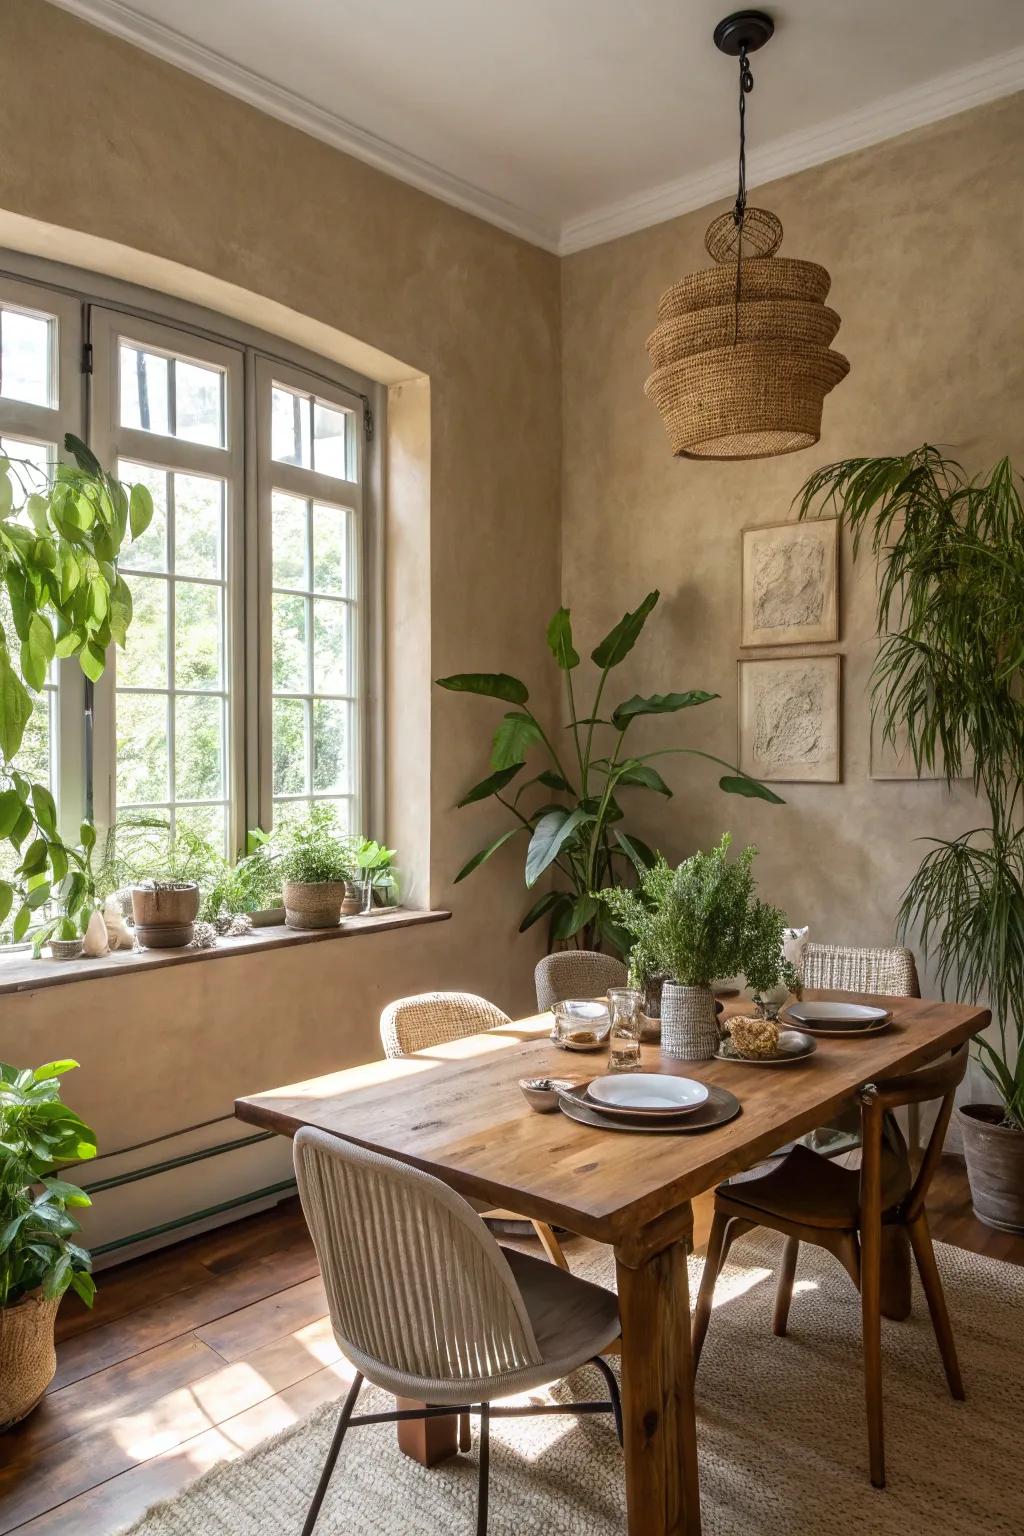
<point x="432" y="1018"/>
<point x="426" y="1306"/>
<point x="576" y="973"/>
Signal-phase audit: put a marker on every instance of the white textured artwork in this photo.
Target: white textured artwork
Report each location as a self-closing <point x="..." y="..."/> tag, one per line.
<point x="789" y="719"/>
<point x="789" y="583"/>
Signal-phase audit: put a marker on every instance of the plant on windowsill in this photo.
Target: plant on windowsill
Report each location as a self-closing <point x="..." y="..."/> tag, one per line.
<point x="39" y="1260"/>
<point x="318" y="866"/>
<point x="578" y="833"/>
<point x="61" y="535"/>
<point x="78" y="904"/>
<point x="949" y="680"/>
<point x="377" y="869"/>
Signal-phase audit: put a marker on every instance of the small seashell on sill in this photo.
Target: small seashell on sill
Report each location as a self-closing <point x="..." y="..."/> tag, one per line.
<point x="96" y="941"/>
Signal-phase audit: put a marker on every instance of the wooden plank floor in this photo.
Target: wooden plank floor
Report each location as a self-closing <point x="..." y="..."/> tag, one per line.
<point x="197" y="1353"/>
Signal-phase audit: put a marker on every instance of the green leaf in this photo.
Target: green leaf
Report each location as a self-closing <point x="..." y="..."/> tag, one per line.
<point x="549" y="900"/>
<point x="92" y="661"/>
<point x="6" y="494"/>
<point x="513" y="738"/>
<point x="45" y="809"/>
<point x="57" y="1280"/>
<point x="87" y="835"/>
<point x="58" y="862"/>
<point x="485" y="854"/>
<point x="83" y="457"/>
<point x="638" y="851"/>
<point x="492" y="685"/>
<point x="52" y="1069"/>
<point x="38" y="896"/>
<point x="560" y="641"/>
<point x="10" y="1230"/>
<point x="35" y="857"/>
<point x="552" y="780"/>
<point x="121" y="609"/>
<point x="6" y="898"/>
<point x="10" y="810"/>
<point x="549" y="836"/>
<point x="84" y="1286"/>
<point x="15" y="707"/>
<point x="641" y="776"/>
<point x="38" y="511"/>
<point x="19" y="927"/>
<point x="140" y="510"/>
<point x="583" y="911"/>
<point x="753" y="789"/>
<point x="618" y="642"/>
<point x="489" y="786"/>
<point x="659" y="704"/>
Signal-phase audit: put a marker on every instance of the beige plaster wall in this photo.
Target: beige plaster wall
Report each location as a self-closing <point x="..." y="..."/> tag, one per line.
<point x="924" y="238"/>
<point x="104" y="141"/>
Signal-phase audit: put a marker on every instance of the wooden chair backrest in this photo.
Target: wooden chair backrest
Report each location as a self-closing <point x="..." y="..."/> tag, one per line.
<point x="940" y="1080"/>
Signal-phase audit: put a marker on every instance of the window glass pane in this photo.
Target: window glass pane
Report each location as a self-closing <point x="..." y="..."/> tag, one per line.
<point x="198" y="635"/>
<point x="199" y="403"/>
<point x="142" y="748"/>
<point x="330" y="440"/>
<point x="289" y="747"/>
<point x="34" y="758"/>
<point x="198" y="526"/>
<point x="330" y="550"/>
<point x="206" y="821"/>
<point x="289" y="539"/>
<point x="330" y="745"/>
<point x="27" y="370"/>
<point x="150" y="552"/>
<point x="289" y="427"/>
<point x="198" y="748"/>
<point x="31" y="463"/>
<point x="145" y="390"/>
<point x="143" y="662"/>
<point x="291" y="667"/>
<point x="330" y="646"/>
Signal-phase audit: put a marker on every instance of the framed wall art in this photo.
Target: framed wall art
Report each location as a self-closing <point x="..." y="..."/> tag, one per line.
<point x="790" y="583"/>
<point x="789" y="719"/>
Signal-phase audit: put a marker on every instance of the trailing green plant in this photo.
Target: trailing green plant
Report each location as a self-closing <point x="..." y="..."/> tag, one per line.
<point x="77" y="899"/>
<point x="577" y="832"/>
<point x="949" y="678"/>
<point x="61" y="535"/>
<point x="253" y="884"/>
<point x="38" y="1132"/>
<point x="315" y="851"/>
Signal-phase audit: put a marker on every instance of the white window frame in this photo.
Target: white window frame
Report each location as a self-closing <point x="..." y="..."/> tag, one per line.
<point x="44" y="425"/>
<point x="111" y="441"/>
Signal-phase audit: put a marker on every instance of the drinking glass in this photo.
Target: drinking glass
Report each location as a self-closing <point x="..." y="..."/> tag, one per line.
<point x="626" y="1007"/>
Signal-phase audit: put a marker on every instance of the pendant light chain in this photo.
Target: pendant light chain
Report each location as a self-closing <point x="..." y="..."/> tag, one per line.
<point x="740" y="209"/>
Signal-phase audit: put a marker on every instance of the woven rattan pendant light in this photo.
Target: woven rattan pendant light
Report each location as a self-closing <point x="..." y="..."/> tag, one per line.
<point x="741" y="354"/>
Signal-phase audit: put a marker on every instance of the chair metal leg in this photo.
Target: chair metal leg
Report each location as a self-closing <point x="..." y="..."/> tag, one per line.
<point x="784" y="1293"/>
<point x="613" y="1392"/>
<point x="332" y="1455"/>
<point x="485" y="1459"/>
<point x="924" y="1253"/>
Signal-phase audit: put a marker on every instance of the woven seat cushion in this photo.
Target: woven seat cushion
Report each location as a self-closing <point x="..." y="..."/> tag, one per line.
<point x="812" y="1190"/>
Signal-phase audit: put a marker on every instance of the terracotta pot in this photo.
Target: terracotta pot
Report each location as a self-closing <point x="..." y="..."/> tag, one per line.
<point x="689" y="1023"/>
<point x="165" y="915"/>
<point x="995" y="1166"/>
<point x="353" y="903"/>
<point x="313" y="906"/>
<point x="28" y="1360"/>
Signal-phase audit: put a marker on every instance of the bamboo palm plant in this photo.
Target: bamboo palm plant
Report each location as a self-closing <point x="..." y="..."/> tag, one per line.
<point x="949" y="677"/>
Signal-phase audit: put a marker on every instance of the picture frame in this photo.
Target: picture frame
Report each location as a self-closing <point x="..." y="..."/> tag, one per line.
<point x="789" y="718"/>
<point x="790" y="583"/>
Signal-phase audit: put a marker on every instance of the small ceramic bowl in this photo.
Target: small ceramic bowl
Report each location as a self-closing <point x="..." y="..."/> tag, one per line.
<point x="541" y="1093"/>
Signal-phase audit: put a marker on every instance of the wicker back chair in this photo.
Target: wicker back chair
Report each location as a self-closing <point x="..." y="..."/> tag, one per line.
<point x="425" y="1304"/>
<point x="887" y="971"/>
<point x="432" y="1018"/>
<point x="576" y="973"/>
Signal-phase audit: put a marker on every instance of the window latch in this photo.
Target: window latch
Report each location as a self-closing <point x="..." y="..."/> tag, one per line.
<point x="87" y="357"/>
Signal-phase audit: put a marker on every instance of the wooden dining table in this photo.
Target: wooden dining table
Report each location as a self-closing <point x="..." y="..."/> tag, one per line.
<point x="456" y="1111"/>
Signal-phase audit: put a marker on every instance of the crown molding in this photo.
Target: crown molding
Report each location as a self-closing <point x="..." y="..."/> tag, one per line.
<point x="940" y="97"/>
<point x="943" y="96"/>
<point x="174" y="48"/>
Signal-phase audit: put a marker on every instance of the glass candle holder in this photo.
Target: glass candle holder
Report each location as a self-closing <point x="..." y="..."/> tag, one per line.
<point x="626" y="1007"/>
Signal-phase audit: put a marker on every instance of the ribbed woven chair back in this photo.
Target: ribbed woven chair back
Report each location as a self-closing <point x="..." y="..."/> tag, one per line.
<point x="889" y="972"/>
<point x="414" y="1280"/>
<point x="576" y="973"/>
<point x="431" y="1018"/>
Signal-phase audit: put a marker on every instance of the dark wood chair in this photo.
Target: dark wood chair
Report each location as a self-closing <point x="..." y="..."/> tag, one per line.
<point x="811" y="1199"/>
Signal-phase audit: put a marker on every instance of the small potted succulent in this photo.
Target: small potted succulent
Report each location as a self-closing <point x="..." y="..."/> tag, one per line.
<point x="39" y="1260"/>
<point x="377" y="868"/>
<point x="318" y="866"/>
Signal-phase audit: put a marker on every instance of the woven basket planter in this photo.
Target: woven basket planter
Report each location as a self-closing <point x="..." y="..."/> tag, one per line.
<point x="308" y="905"/>
<point x="28" y="1360"/>
<point x="741" y="354"/>
<point x="66" y="949"/>
<point x="689" y="1023"/>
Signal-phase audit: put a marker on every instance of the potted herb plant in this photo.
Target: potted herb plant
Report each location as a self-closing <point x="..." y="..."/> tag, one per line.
<point x="949" y="681"/>
<point x="38" y="1258"/>
<point x="769" y="975"/>
<point x="318" y="865"/>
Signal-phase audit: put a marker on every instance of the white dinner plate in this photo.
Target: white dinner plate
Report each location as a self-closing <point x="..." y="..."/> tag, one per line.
<point x="648" y="1092"/>
<point x="842" y="1015"/>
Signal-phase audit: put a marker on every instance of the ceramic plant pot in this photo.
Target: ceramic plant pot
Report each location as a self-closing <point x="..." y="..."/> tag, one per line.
<point x="314" y="906"/>
<point x="165" y="914"/>
<point x="352" y="904"/>
<point x="28" y="1360"/>
<point x="995" y="1166"/>
<point x="689" y="1023"/>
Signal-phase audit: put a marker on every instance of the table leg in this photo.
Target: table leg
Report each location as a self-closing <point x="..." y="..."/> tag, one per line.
<point x="427" y="1441"/>
<point x="660" y="1450"/>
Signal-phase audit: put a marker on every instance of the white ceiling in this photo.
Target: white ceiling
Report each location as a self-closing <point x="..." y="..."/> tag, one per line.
<point x="572" y="121"/>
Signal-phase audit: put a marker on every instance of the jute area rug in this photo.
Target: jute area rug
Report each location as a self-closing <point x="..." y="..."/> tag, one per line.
<point x="783" y="1449"/>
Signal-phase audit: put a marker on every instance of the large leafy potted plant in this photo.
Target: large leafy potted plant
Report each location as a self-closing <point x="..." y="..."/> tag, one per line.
<point x="39" y="1259"/>
<point x="317" y="865"/>
<point x="569" y="811"/>
<point x="949" y="678"/>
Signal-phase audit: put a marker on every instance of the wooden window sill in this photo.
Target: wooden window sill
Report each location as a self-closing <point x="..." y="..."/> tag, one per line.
<point x="20" y="973"/>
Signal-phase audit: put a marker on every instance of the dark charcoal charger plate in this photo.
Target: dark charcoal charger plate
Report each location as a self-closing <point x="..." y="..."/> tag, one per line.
<point x="721" y="1106"/>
